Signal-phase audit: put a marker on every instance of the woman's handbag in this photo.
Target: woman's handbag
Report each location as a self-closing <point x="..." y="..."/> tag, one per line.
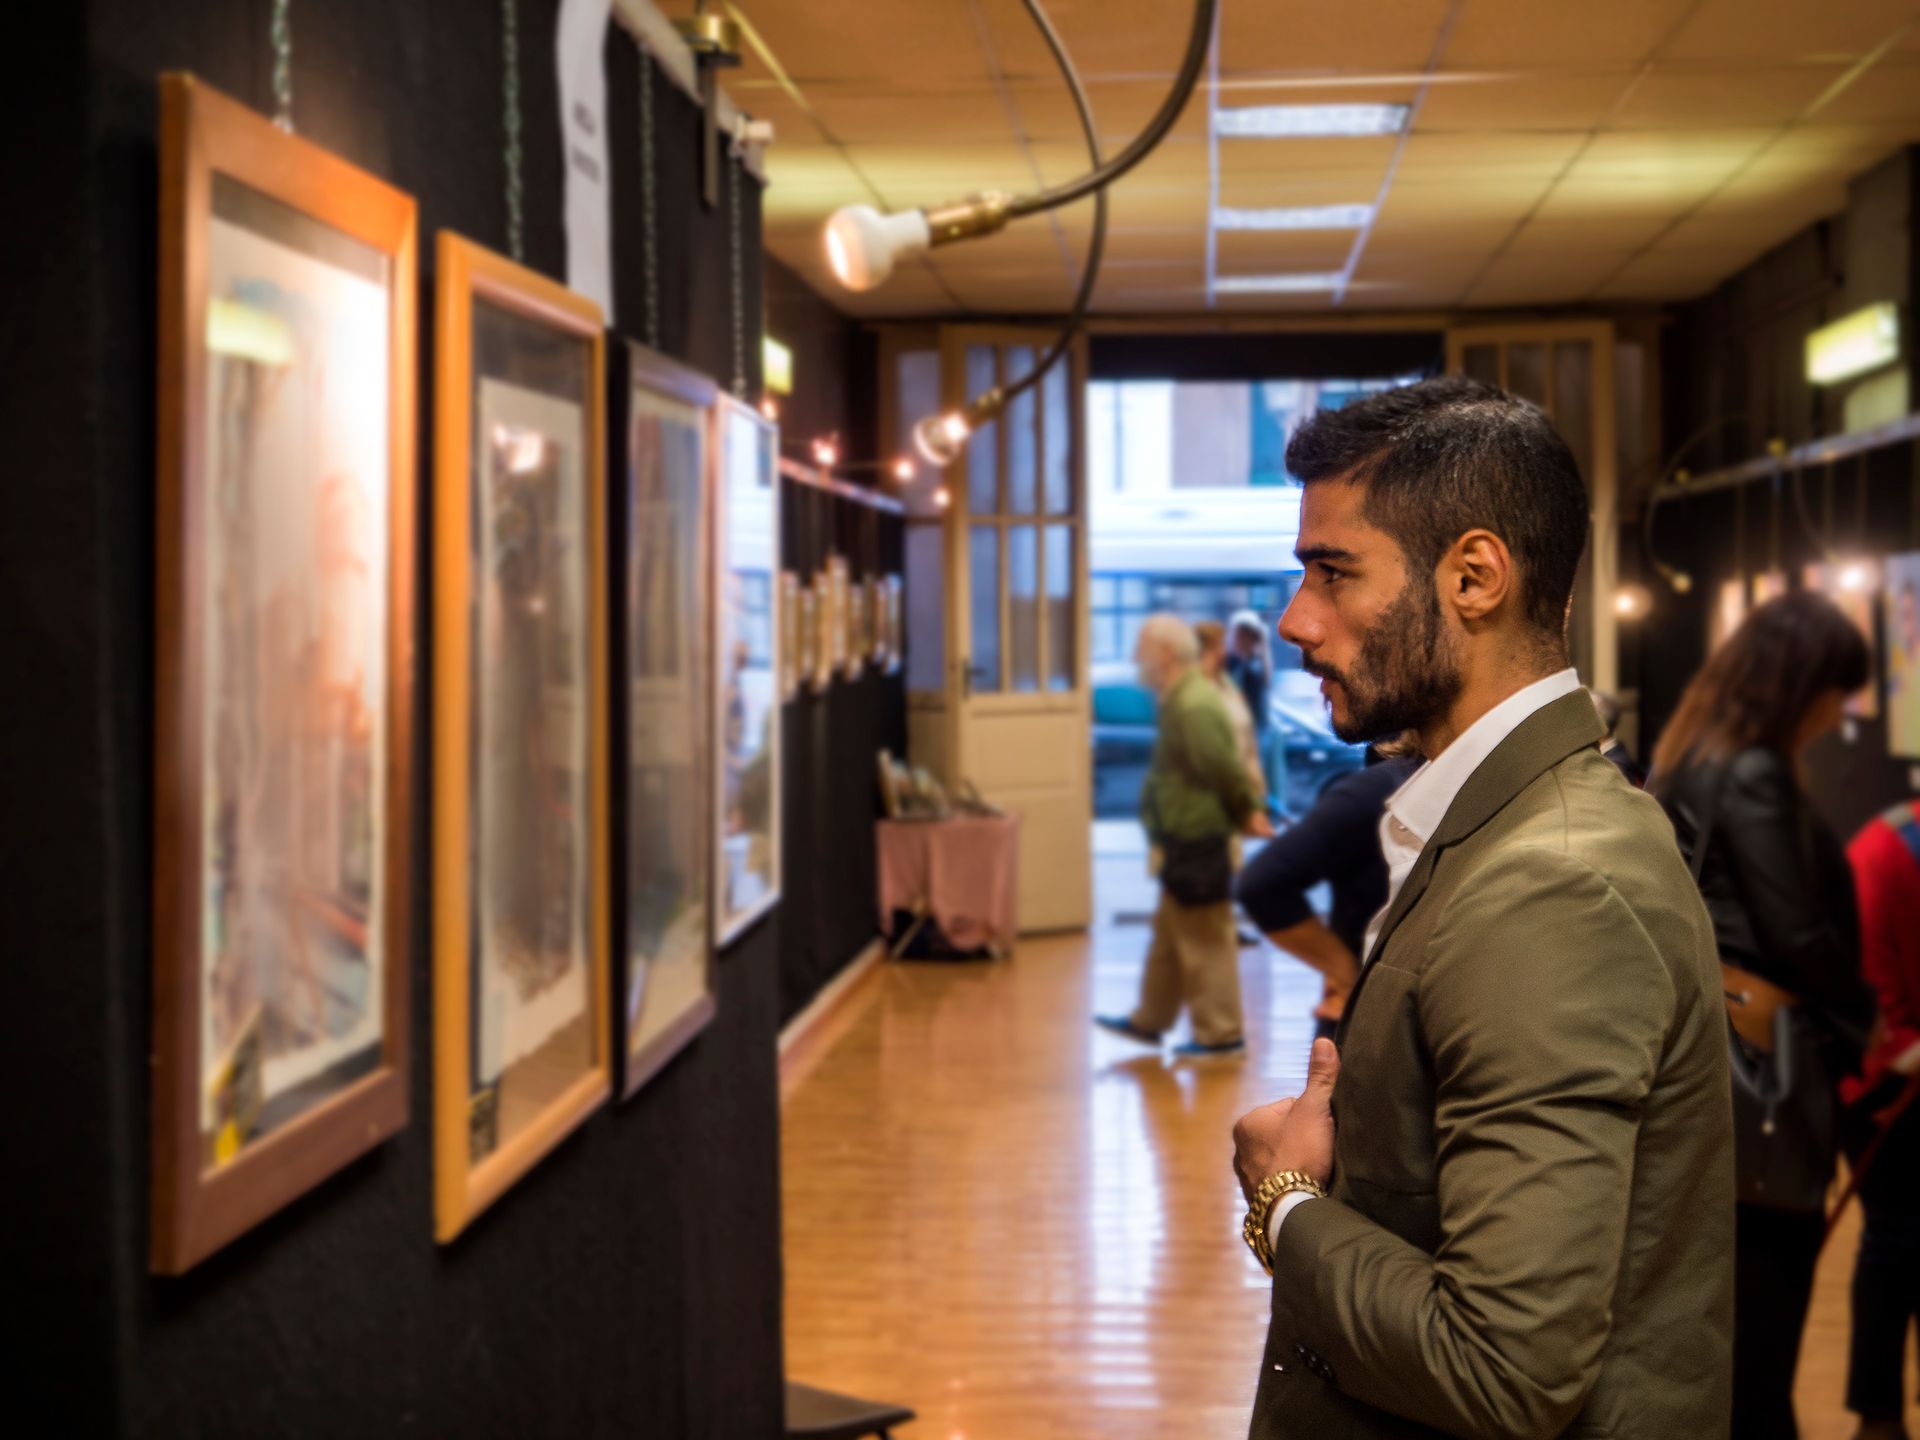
<point x="1785" y="1117"/>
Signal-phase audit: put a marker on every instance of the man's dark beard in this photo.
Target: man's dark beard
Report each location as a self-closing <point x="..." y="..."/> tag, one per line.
<point x="1407" y="672"/>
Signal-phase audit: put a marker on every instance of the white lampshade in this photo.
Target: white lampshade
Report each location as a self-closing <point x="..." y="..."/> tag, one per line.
<point x="862" y="244"/>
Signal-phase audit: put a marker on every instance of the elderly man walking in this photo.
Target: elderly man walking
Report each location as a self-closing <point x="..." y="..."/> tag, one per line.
<point x="1197" y="797"/>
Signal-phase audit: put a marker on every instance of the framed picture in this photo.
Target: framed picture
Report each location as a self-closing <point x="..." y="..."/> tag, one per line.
<point x="807" y="638"/>
<point x="839" y="618"/>
<point x="1903" y="655"/>
<point x="856" y="641"/>
<point x="895" y="624"/>
<point x="664" y="757"/>
<point x="824" y="630"/>
<point x="746" y="647"/>
<point x="1854" y="587"/>
<point x="877" y="620"/>
<point x="789" y="635"/>
<point x="284" y="646"/>
<point x="520" y="781"/>
<point x="1729" y="610"/>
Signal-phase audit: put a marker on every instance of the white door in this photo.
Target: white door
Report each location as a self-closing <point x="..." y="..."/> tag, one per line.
<point x="1001" y="699"/>
<point x="1566" y="367"/>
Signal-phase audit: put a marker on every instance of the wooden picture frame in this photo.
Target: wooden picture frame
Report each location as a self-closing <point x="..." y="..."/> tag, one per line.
<point x="284" y="669"/>
<point x="746" y="648"/>
<point x="522" y="1057"/>
<point x="663" y="755"/>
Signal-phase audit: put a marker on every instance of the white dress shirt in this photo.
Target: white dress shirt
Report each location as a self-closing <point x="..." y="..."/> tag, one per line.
<point x="1415" y="811"/>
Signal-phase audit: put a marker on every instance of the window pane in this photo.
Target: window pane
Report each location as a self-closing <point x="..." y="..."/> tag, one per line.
<point x="1133" y="592"/>
<point x="1482" y="362"/>
<point x="1023" y="605"/>
<point x="1527" y="371"/>
<point x="984" y="570"/>
<point x="1573" y="401"/>
<point x="1130" y="626"/>
<point x="1062" y="663"/>
<point x="1022" y="449"/>
<point x="926" y="608"/>
<point x="1106" y="639"/>
<point x="1104" y="595"/>
<point x="916" y="391"/>
<point x="1058" y="429"/>
<point x="983" y="449"/>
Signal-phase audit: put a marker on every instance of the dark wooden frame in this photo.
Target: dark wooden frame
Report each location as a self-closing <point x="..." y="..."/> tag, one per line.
<point x="203" y="132"/>
<point x="638" y="367"/>
<point x="467" y="272"/>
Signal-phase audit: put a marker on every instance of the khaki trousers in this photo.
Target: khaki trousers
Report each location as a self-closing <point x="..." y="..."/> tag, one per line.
<point x="1195" y="960"/>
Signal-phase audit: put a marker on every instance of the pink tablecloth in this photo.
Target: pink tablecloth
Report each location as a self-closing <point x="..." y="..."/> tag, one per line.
<point x="963" y="870"/>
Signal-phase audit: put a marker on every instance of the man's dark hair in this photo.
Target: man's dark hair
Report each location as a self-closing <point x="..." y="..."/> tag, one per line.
<point x="1445" y="456"/>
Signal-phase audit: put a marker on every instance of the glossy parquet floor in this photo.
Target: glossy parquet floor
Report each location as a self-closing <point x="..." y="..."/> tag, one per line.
<point x="1029" y="1231"/>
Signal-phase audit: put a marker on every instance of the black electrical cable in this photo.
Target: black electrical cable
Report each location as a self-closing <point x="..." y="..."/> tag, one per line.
<point x="1097" y="244"/>
<point x="1103" y="175"/>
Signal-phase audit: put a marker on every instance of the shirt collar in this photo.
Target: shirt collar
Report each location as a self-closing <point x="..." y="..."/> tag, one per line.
<point x="1422" y="803"/>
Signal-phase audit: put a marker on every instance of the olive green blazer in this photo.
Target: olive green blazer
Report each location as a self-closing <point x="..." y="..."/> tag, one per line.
<point x="1530" y="1229"/>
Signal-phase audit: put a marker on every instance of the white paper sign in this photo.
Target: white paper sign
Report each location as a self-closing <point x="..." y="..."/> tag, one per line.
<point x="583" y="131"/>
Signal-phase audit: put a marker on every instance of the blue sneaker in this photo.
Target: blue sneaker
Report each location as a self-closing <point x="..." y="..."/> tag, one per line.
<point x="1121" y="1025"/>
<point x="1194" y="1050"/>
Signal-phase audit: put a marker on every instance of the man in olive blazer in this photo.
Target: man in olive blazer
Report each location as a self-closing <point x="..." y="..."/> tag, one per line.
<point x="1525" y="1139"/>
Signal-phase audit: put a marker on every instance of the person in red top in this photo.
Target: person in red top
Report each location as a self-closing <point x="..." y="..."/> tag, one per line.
<point x="1885" y="857"/>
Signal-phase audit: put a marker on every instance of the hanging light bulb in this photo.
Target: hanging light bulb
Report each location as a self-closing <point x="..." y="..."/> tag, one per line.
<point x="941" y="438"/>
<point x="1632" y="602"/>
<point x="903" y="470"/>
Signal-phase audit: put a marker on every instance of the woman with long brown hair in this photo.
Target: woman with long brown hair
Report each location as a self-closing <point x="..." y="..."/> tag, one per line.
<point x="1730" y="770"/>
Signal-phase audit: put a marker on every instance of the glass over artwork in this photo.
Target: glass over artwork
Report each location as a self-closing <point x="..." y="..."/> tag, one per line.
<point x="669" y="921"/>
<point x="294" y="625"/>
<point x="746" y="641"/>
<point x="531" y="697"/>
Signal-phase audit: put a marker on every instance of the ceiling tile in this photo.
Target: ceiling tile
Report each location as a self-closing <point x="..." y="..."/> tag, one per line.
<point x="1462" y="157"/>
<point x="1296" y="36"/>
<point x="844" y="40"/>
<point x="1528" y="33"/>
<point x="1494" y="101"/>
<point x="1722" y="30"/>
<point x="1699" y="98"/>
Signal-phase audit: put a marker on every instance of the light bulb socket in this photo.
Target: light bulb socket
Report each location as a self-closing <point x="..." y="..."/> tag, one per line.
<point x="978" y="215"/>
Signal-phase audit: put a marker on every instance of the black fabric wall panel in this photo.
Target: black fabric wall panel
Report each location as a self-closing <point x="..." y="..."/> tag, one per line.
<point x="630" y="1284"/>
<point x="834" y="360"/>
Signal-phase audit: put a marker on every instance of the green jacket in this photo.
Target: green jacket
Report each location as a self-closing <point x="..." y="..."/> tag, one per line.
<point x="1196" y="786"/>
<point x="1530" y="1230"/>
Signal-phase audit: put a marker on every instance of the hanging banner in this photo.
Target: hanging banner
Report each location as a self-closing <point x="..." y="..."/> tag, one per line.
<point x="579" y="49"/>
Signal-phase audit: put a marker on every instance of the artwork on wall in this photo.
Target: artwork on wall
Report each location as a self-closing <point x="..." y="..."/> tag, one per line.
<point x="856" y="641"/>
<point x="839" y="605"/>
<point x="1855" y="588"/>
<point x="896" y="624"/>
<point x="807" y="637"/>
<point x="789" y="635"/>
<point x="284" y="626"/>
<point x="1729" y="610"/>
<point x="746" y="645"/>
<point x="825" y="629"/>
<point x="664" y="755"/>
<point x="522" y="1050"/>
<point x="1903" y="655"/>
<point x="877" y="622"/>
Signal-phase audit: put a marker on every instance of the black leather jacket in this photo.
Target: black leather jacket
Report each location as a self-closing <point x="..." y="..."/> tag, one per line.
<point x="1776" y="882"/>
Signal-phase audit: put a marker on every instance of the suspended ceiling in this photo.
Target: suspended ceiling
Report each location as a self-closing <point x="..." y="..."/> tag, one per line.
<point x="1560" y="151"/>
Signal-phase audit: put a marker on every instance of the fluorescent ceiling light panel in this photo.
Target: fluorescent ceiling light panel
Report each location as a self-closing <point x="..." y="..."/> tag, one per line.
<point x="1299" y="284"/>
<point x="1293" y="217"/>
<point x="1290" y="122"/>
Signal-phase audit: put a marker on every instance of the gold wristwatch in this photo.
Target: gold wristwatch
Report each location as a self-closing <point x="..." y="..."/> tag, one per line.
<point x="1286" y="1182"/>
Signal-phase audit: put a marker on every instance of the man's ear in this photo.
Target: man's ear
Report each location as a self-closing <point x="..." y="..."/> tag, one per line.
<point x="1477" y="576"/>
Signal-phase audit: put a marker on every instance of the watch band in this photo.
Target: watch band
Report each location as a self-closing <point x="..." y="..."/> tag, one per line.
<point x="1284" y="1182"/>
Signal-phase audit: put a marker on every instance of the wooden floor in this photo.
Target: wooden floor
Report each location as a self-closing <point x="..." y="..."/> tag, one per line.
<point x="1027" y="1230"/>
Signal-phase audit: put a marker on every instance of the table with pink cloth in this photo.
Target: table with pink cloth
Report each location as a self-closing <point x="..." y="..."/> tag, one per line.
<point x="963" y="871"/>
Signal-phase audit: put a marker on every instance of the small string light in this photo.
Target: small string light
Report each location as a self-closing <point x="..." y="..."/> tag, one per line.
<point x="770" y="408"/>
<point x="903" y="470"/>
<point x="826" y="454"/>
<point x="941" y="498"/>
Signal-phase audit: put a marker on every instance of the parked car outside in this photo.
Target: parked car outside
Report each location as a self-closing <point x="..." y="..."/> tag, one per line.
<point x="1124" y="726"/>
